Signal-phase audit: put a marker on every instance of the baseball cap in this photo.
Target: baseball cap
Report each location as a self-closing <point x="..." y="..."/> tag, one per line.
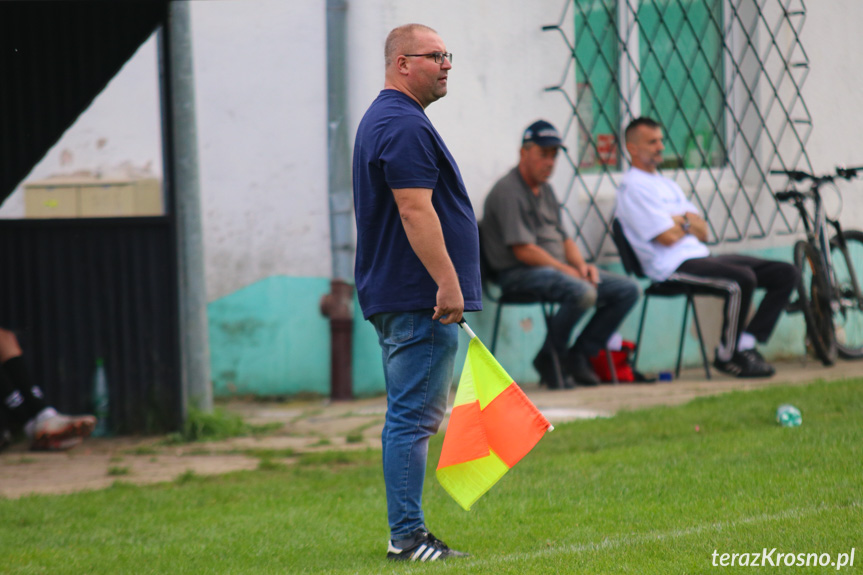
<point x="543" y="134"/>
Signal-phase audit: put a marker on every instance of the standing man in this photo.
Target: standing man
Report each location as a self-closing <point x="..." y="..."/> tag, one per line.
<point x="667" y="234"/>
<point x="526" y="245"/>
<point x="417" y="269"/>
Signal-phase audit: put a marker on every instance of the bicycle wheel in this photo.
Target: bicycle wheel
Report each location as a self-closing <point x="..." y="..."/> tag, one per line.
<point x="814" y="299"/>
<point x="848" y="314"/>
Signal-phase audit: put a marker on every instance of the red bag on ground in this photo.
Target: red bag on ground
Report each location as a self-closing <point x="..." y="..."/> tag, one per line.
<point x="620" y="359"/>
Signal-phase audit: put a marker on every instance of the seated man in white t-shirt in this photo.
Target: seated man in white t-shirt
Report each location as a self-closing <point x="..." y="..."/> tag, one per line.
<point x="667" y="234"/>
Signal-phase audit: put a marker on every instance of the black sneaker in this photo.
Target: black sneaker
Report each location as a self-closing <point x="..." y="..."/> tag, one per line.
<point x="747" y="363"/>
<point x="757" y="363"/>
<point x="423" y="546"/>
<point x="579" y="367"/>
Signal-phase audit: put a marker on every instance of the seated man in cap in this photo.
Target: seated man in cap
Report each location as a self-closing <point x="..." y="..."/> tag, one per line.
<point x="526" y="246"/>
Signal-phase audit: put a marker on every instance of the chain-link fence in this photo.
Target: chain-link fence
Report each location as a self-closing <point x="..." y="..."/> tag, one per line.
<point x="723" y="77"/>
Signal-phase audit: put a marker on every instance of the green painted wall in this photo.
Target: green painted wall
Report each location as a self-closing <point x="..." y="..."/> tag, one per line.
<point x="270" y="339"/>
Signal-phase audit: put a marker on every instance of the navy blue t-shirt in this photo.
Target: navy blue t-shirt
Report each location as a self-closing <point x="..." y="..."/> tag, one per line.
<point x="397" y="147"/>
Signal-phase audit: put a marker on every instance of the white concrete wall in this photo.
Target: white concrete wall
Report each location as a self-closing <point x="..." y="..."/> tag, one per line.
<point x="833" y="93"/>
<point x="260" y="70"/>
<point x="502" y="63"/>
<point x="261" y="81"/>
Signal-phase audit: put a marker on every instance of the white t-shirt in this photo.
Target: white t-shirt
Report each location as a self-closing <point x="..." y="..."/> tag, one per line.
<point x="645" y="204"/>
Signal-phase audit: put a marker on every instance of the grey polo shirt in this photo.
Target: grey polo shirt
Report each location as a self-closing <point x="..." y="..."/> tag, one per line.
<point x="514" y="215"/>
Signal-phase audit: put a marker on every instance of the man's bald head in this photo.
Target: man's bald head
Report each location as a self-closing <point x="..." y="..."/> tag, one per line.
<point x="400" y="40"/>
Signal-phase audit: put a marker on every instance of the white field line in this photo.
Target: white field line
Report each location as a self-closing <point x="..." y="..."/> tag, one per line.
<point x="628" y="540"/>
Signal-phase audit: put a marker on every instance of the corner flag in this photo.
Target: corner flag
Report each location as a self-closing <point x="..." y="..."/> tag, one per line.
<point x="492" y="426"/>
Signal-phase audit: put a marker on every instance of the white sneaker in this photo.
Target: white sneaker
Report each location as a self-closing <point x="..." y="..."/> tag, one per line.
<point x="60" y="432"/>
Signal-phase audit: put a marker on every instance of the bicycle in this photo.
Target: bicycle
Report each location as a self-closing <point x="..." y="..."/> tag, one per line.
<point x="829" y="294"/>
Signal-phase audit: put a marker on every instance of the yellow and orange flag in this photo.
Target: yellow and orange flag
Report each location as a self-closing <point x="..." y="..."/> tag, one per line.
<point x="492" y="426"/>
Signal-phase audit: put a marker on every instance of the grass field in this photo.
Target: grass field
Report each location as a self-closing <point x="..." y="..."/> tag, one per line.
<point x="653" y="491"/>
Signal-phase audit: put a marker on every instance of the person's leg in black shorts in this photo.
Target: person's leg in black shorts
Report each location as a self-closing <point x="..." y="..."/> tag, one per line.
<point x="24" y="408"/>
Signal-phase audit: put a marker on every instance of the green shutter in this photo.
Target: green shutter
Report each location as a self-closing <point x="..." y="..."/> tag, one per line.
<point x="597" y="93"/>
<point x="680" y="47"/>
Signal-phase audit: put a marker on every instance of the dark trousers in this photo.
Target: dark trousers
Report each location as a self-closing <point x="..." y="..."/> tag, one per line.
<point x="612" y="299"/>
<point x="735" y="277"/>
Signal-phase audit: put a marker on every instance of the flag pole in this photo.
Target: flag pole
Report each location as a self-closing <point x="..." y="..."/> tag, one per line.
<point x="467" y="329"/>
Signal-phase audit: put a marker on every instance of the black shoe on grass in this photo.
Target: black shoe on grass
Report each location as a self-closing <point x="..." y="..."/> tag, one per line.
<point x="423" y="546"/>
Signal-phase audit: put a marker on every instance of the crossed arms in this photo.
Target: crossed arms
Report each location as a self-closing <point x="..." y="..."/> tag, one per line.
<point x="689" y="223"/>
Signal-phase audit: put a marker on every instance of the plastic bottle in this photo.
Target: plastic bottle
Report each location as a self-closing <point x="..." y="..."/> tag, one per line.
<point x="788" y="416"/>
<point x="101" y="404"/>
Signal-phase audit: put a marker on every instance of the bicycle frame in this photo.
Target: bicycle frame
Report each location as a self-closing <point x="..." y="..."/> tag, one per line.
<point x="840" y="296"/>
<point x="819" y="238"/>
<point x="835" y="296"/>
<point x="816" y="225"/>
<point x="816" y="235"/>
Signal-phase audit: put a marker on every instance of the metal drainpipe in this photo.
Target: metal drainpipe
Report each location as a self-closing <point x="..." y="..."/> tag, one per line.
<point x="184" y="180"/>
<point x="338" y="305"/>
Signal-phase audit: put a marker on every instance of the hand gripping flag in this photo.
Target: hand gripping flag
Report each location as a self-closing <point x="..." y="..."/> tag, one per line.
<point x="492" y="426"/>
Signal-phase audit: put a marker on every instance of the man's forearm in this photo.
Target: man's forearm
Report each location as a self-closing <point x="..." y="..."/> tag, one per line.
<point x="534" y="256"/>
<point x="425" y="235"/>
<point x="687" y="224"/>
<point x="697" y="226"/>
<point x="426" y="238"/>
<point x="573" y="256"/>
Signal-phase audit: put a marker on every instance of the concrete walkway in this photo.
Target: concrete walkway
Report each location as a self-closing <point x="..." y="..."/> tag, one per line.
<point x="320" y="425"/>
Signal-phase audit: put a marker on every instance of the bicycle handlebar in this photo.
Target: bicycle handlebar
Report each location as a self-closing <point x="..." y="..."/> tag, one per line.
<point x="848" y="173"/>
<point x="789" y="196"/>
<point x="799" y="176"/>
<point x="795" y="175"/>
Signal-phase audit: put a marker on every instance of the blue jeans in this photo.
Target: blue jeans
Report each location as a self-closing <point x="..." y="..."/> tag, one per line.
<point x="418" y="356"/>
<point x="613" y="298"/>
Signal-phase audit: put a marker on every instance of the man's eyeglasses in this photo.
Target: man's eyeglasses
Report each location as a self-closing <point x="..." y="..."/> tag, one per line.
<point x="438" y="56"/>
